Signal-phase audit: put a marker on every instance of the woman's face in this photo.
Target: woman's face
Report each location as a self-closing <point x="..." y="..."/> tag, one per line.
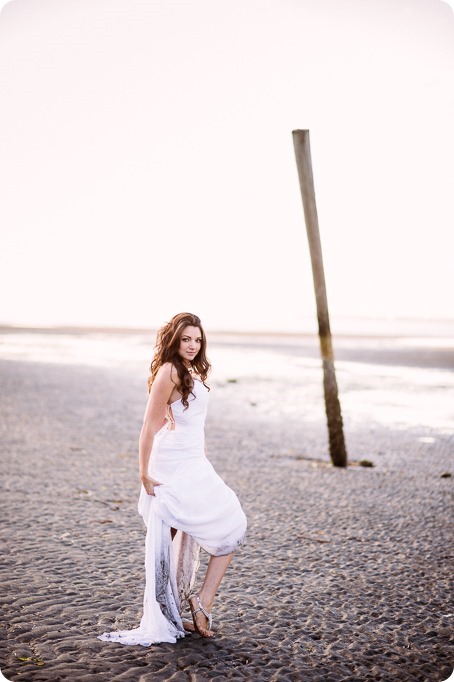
<point x="190" y="342"/>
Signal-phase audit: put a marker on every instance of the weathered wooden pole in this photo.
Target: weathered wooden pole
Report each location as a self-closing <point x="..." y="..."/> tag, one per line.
<point x="337" y="447"/>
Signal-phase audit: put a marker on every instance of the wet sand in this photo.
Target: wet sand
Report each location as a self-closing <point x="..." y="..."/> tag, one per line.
<point x="345" y="574"/>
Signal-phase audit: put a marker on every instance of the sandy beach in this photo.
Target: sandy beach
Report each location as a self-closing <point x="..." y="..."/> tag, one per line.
<point x="346" y="574"/>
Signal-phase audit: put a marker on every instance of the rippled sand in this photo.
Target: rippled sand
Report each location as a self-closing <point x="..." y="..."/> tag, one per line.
<point x="345" y="574"/>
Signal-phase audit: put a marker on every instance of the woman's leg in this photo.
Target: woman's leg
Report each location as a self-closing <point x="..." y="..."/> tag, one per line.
<point x="217" y="567"/>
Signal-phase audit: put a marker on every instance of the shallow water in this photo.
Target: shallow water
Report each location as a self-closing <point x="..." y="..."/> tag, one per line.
<point x="282" y="375"/>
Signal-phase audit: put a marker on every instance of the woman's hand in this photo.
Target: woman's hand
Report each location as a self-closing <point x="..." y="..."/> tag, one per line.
<point x="149" y="484"/>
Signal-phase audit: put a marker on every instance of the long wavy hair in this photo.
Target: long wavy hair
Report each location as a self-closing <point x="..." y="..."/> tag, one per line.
<point x="166" y="350"/>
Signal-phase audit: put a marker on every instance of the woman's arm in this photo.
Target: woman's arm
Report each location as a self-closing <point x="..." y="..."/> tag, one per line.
<point x="154" y="419"/>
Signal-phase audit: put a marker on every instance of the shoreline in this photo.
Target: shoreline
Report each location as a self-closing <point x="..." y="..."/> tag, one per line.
<point x="63" y="344"/>
<point x="360" y="328"/>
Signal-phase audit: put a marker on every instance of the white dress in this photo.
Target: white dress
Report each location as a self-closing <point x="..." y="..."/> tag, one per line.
<point x="194" y="500"/>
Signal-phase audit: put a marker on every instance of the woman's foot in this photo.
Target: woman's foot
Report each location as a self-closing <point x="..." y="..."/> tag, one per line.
<point x="188" y="626"/>
<point x="201" y="618"/>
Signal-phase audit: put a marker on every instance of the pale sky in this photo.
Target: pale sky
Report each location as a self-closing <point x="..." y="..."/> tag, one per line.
<point x="147" y="162"/>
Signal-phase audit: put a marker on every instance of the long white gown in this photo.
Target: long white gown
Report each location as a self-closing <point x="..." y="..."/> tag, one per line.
<point x="194" y="500"/>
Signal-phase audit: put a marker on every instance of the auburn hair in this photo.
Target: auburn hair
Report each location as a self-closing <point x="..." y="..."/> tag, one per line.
<point x="167" y="348"/>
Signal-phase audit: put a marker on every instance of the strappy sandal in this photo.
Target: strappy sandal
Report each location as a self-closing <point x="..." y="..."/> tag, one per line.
<point x="201" y="609"/>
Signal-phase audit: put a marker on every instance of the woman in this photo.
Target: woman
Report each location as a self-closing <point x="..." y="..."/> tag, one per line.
<point x="184" y="503"/>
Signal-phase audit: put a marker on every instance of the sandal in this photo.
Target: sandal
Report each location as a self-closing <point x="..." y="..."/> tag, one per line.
<point x="202" y="631"/>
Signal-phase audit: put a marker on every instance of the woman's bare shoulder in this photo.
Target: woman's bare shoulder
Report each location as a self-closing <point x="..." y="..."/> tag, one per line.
<point x="167" y="371"/>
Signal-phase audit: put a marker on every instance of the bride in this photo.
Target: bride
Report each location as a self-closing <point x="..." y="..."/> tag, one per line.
<point x="184" y="503"/>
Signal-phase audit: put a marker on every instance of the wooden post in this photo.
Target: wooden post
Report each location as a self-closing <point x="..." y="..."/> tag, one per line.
<point x="337" y="447"/>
